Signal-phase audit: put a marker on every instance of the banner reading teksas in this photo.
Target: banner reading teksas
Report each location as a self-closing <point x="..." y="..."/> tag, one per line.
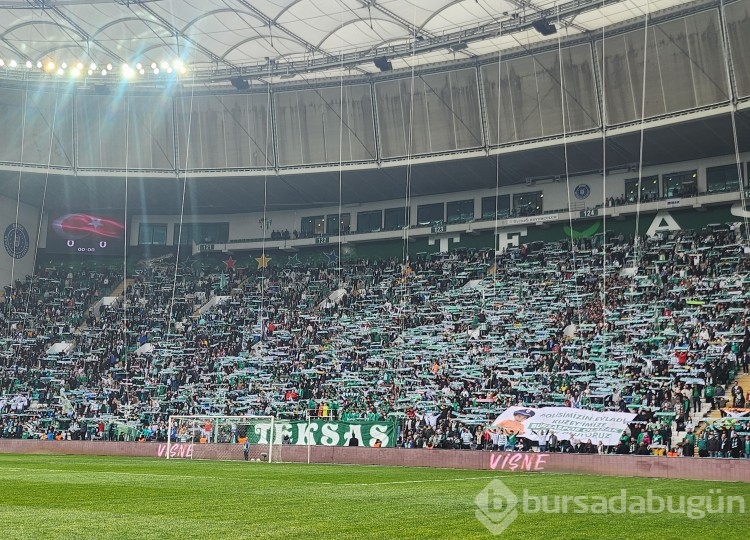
<point x="328" y="433"/>
<point x="566" y="422"/>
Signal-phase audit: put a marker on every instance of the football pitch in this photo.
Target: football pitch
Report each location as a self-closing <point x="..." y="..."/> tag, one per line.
<point x="75" y="497"/>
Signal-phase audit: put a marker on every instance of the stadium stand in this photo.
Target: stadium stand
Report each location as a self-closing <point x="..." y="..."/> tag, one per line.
<point x="440" y="344"/>
<point x="477" y="199"/>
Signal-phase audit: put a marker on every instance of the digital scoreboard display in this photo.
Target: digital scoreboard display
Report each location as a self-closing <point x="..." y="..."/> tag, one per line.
<point x="86" y="234"/>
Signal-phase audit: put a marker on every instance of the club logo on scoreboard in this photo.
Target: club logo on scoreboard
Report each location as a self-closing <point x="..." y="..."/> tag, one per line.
<point x="582" y="191"/>
<point x="17" y="241"/>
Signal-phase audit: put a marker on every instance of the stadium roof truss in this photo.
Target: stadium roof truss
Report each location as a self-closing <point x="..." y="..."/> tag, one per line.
<point x="284" y="40"/>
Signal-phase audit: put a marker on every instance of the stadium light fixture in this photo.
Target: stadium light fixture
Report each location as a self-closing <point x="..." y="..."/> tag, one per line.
<point x="239" y="83"/>
<point x="382" y="63"/>
<point x="544" y="27"/>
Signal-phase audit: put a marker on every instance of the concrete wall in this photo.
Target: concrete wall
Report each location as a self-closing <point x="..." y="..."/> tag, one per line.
<point x="557" y="196"/>
<point x="731" y="470"/>
<point x="21" y="243"/>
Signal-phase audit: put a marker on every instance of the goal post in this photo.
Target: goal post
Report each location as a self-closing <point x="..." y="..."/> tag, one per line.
<point x="222" y="437"/>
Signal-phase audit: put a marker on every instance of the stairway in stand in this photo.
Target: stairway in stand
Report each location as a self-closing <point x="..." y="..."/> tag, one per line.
<point x="714" y="414"/>
<point x="121" y="287"/>
<point x="117" y="293"/>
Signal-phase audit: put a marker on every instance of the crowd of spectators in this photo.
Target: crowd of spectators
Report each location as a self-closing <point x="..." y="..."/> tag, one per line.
<point x="440" y="344"/>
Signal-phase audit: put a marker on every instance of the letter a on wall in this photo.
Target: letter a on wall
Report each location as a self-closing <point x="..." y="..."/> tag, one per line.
<point x="663" y="221"/>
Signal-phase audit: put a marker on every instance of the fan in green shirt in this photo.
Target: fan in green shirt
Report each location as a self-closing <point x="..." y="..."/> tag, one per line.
<point x="512" y="440"/>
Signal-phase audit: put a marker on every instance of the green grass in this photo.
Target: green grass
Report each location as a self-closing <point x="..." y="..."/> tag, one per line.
<point x="74" y="497"/>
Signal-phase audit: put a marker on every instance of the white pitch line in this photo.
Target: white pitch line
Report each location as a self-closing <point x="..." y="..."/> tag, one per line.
<point x="420" y="481"/>
<point x="108" y="473"/>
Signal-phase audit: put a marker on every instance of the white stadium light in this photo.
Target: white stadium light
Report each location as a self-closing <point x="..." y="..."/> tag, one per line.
<point x="64" y="65"/>
<point x="109" y="67"/>
<point x="39" y="64"/>
<point x="13" y="63"/>
<point x="92" y="66"/>
<point x="104" y="73"/>
<point x="60" y="71"/>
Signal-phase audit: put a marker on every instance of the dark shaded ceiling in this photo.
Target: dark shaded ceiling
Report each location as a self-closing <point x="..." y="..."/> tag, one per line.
<point x="697" y="139"/>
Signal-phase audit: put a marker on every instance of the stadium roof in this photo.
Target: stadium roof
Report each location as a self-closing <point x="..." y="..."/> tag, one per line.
<point x="673" y="143"/>
<point x="282" y="40"/>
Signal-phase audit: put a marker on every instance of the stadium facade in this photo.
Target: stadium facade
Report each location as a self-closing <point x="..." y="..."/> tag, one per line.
<point x="505" y="146"/>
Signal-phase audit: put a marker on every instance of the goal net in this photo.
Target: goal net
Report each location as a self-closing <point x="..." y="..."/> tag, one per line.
<point x="222" y="437"/>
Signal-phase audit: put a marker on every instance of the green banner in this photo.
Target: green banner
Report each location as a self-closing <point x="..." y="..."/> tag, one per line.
<point x="326" y="433"/>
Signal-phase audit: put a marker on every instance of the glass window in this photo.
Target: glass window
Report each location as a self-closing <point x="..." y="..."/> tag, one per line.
<point x="312" y="226"/>
<point x="722" y="179"/>
<point x="152" y="234"/>
<point x="681" y="184"/>
<point x="395" y="218"/>
<point x="501" y="203"/>
<point x="369" y="221"/>
<point x="334" y="224"/>
<point x="201" y="233"/>
<point x="460" y="211"/>
<point x="430" y="213"/>
<point x="528" y="204"/>
<point x="649" y="189"/>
